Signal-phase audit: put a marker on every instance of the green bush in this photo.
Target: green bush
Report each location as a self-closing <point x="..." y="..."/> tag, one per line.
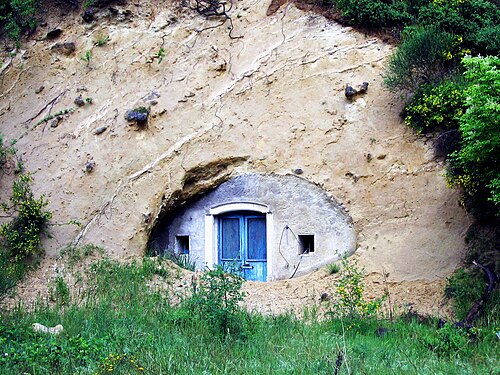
<point x="476" y="165"/>
<point x="476" y="21"/>
<point x="435" y="107"/>
<point x="424" y="56"/>
<point x="464" y="287"/>
<point x="22" y="234"/>
<point x="216" y="299"/>
<point x="449" y="341"/>
<point x="18" y="15"/>
<point x="11" y="272"/>
<point x="374" y="12"/>
<point x="348" y="301"/>
<point x="59" y="291"/>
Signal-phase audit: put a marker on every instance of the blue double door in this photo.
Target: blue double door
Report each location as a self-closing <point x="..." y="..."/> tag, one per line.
<point x="243" y="244"/>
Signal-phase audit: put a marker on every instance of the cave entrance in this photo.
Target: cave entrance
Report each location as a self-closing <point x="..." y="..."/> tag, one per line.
<point x="264" y="227"/>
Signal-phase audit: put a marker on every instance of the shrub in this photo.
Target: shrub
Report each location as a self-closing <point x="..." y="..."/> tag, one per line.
<point x="483" y="242"/>
<point x="216" y="299"/>
<point x="17" y="15"/>
<point x="374" y="12"/>
<point x="423" y="57"/>
<point x="7" y="153"/>
<point x="11" y="272"/>
<point x="449" y="341"/>
<point x="476" y="165"/>
<point x="349" y="301"/>
<point x="476" y="21"/>
<point x="22" y="234"/>
<point x="464" y="287"/>
<point x="59" y="291"/>
<point x="435" y="107"/>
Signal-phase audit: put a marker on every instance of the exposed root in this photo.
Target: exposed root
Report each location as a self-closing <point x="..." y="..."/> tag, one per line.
<point x="477" y="308"/>
<point x="214" y="8"/>
<point x="49" y="104"/>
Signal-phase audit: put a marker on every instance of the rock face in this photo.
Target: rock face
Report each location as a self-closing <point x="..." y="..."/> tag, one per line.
<point x="278" y="103"/>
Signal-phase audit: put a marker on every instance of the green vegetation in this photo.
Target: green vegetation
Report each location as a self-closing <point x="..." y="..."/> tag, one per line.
<point x="477" y="163"/>
<point x="160" y="55"/>
<point x="59" y="291"/>
<point x="19" y="236"/>
<point x="18" y="15"/>
<point x="424" y="56"/>
<point x="332" y="268"/>
<point x="215" y="300"/>
<point x="5" y="152"/>
<point x="374" y="12"/>
<point x="349" y="301"/>
<point x="182" y="260"/>
<point x="87" y="56"/>
<point x="456" y="96"/>
<point x="464" y="287"/>
<point x="102" y="39"/>
<point x="121" y="325"/>
<point x="58" y="113"/>
<point x="88" y="4"/>
<point x="476" y="22"/>
<point x="436" y="107"/>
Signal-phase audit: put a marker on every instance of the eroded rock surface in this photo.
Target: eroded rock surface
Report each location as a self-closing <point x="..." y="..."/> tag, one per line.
<point x="264" y="103"/>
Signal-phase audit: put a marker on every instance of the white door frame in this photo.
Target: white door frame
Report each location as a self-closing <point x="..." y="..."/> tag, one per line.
<point x="211" y="233"/>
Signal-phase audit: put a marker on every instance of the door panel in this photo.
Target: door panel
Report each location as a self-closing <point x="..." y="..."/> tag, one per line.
<point x="256" y="238"/>
<point x="230" y="239"/>
<point x="256" y="243"/>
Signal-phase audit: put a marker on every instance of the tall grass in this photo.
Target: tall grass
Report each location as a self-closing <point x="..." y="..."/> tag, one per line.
<point x="123" y="326"/>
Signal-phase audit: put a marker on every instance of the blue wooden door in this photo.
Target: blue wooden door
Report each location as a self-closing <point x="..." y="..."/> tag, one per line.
<point x="242" y="244"/>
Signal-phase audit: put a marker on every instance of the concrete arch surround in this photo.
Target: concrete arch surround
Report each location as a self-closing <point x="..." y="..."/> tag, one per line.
<point x="292" y="206"/>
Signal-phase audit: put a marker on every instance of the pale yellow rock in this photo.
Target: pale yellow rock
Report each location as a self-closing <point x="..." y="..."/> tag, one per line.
<point x="37" y="327"/>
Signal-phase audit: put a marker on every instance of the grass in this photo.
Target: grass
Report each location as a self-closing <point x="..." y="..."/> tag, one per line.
<point x="122" y="326"/>
<point x="333" y="268"/>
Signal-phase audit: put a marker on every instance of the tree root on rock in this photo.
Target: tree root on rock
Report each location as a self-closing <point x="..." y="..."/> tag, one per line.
<point x="213" y="8"/>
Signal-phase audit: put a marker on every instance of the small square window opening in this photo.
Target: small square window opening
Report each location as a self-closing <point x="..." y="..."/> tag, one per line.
<point x="306" y="243"/>
<point x="182" y="243"/>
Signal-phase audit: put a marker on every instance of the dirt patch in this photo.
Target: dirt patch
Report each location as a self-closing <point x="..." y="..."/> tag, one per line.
<point x="298" y="296"/>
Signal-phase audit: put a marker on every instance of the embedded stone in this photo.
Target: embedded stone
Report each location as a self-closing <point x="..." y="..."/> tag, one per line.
<point x="53" y="34"/>
<point x="139" y="115"/>
<point x="79" y="101"/>
<point x="66" y="48"/>
<point x="100" y="130"/>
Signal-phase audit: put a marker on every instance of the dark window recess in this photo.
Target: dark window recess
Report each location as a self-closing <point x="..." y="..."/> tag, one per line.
<point x="306" y="243"/>
<point x="182" y="243"/>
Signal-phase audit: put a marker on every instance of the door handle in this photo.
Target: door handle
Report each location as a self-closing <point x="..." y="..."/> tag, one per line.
<point x="247" y="266"/>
